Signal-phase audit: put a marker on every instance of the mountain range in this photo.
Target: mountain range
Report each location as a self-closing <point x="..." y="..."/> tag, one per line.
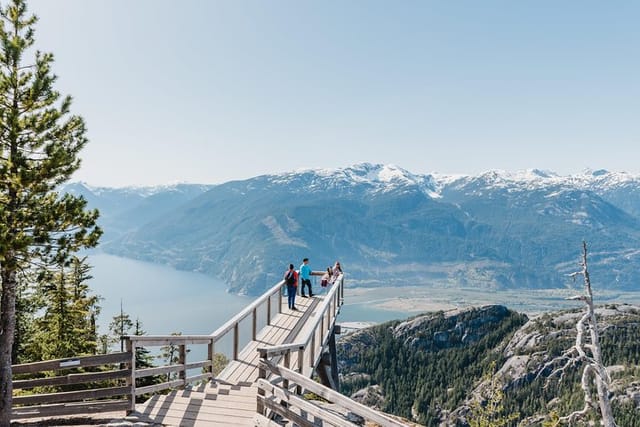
<point x="386" y="225"/>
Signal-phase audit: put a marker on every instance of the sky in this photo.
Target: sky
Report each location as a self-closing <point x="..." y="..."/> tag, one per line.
<point x="208" y="91"/>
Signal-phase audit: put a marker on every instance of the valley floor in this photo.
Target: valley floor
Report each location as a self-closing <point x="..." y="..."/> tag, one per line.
<point x="412" y="300"/>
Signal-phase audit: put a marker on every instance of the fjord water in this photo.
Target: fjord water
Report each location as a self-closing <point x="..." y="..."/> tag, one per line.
<point x="168" y="300"/>
<point x="164" y="299"/>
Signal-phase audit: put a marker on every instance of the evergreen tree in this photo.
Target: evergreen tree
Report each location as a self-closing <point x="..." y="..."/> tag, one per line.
<point x="103" y="344"/>
<point x="144" y="359"/>
<point x="67" y="325"/>
<point x="39" y="146"/>
<point x="120" y="326"/>
<point x="170" y="354"/>
<point x="488" y="410"/>
<point x="84" y="306"/>
<point x="220" y="361"/>
<point x="28" y="302"/>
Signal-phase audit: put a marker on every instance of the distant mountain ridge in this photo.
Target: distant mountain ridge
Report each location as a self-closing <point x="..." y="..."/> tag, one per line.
<point x="386" y="225"/>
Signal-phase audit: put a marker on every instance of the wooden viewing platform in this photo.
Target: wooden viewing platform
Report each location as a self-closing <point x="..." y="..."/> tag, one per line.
<point x="263" y="381"/>
<point x="230" y="398"/>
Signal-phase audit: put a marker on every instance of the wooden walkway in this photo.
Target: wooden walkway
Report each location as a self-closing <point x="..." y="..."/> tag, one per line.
<point x="262" y="386"/>
<point x="231" y="398"/>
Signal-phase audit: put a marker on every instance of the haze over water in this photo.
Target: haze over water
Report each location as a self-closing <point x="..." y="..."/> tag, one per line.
<point x="168" y="300"/>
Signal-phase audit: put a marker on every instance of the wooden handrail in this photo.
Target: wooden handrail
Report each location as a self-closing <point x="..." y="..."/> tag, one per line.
<point x="325" y="393"/>
<point x="91" y="396"/>
<point x="72" y="362"/>
<point x="69" y="379"/>
<point x="230" y="324"/>
<point x="161" y="340"/>
<point x="127" y="360"/>
<point x="210" y="340"/>
<point x="270" y="351"/>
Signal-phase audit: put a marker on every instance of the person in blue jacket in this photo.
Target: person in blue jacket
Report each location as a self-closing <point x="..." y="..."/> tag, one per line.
<point x="305" y="277"/>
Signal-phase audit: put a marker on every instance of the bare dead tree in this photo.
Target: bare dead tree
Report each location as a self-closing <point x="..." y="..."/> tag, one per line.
<point x="587" y="352"/>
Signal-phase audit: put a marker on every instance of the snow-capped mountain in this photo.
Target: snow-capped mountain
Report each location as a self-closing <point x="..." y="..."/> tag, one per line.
<point x="387" y="225"/>
<point x="355" y="181"/>
<point x="124" y="209"/>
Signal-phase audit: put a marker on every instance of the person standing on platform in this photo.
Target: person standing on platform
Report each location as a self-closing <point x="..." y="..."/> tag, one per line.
<point x="305" y="277"/>
<point x="324" y="282"/>
<point x="291" y="280"/>
<point x="337" y="271"/>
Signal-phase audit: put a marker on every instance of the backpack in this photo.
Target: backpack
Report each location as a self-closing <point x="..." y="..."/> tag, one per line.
<point x="290" y="278"/>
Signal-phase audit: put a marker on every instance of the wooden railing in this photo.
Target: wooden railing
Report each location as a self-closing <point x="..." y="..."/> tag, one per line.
<point x="278" y="398"/>
<point x="181" y="367"/>
<point x="104" y="390"/>
<point x="126" y="375"/>
<point x="280" y="388"/>
<point x="232" y="326"/>
<point x="322" y="326"/>
<point x="308" y="348"/>
<point x="182" y="341"/>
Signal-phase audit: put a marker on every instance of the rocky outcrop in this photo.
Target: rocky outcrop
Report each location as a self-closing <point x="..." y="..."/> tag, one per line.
<point x="372" y="396"/>
<point x="523" y="360"/>
<point x="531" y="348"/>
<point x="461" y="327"/>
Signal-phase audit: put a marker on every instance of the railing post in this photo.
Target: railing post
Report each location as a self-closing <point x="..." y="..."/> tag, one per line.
<point x="287" y="364"/>
<point x="312" y="353"/>
<point x="300" y="367"/>
<point x="262" y="373"/>
<point x="131" y="382"/>
<point x="254" y="324"/>
<point x="334" y="359"/>
<point x="210" y="354"/>
<point x="269" y="310"/>
<point x="328" y="316"/>
<point x="280" y="299"/>
<point x="236" y="340"/>
<point x="335" y="305"/>
<point x="182" y="359"/>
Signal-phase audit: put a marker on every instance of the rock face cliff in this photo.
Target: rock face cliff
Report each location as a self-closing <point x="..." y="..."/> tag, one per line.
<point x="432" y="367"/>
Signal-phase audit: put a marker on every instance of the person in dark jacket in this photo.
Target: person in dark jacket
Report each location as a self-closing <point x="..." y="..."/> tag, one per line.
<point x="291" y="281"/>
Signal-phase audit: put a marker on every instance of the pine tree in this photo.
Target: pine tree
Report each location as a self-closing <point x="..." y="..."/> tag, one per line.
<point x="28" y="303"/>
<point x="85" y="306"/>
<point x="144" y="359"/>
<point x="39" y="146"/>
<point x="120" y="326"/>
<point x="220" y="361"/>
<point x="67" y="325"/>
<point x="488" y="410"/>
<point x="171" y="356"/>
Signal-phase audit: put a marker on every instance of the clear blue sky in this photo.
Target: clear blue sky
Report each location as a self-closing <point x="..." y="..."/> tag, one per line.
<point x="210" y="91"/>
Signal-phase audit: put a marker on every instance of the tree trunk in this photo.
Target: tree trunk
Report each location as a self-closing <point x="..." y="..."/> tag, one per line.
<point x="605" y="404"/>
<point x="602" y="385"/>
<point x="601" y="376"/>
<point x="7" y="329"/>
<point x="602" y="382"/>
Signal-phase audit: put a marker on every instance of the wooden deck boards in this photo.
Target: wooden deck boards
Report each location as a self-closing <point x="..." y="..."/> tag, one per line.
<point x="231" y="399"/>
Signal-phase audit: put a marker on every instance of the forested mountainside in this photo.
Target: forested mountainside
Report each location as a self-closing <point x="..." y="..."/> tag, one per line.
<point x="429" y="368"/>
<point x="387" y="225"/>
